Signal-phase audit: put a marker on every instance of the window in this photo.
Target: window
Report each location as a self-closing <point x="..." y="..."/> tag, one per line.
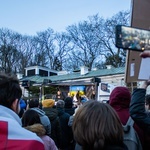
<point x="43" y="72"/>
<point x="31" y="72"/>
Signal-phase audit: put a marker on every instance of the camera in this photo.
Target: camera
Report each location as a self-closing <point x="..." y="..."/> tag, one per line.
<point x="129" y="38"/>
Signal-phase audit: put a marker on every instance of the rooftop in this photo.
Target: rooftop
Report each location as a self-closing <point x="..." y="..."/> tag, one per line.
<point x="76" y="75"/>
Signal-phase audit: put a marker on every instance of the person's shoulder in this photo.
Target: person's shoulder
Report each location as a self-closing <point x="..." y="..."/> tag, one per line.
<point x="67" y="114"/>
<point x="30" y="144"/>
<point x="48" y="139"/>
<point x="49" y="142"/>
<point x="116" y="147"/>
<point x="21" y="137"/>
<point x="32" y="137"/>
<point x="45" y="120"/>
<point x="38" y="110"/>
<point x="70" y="122"/>
<point x="25" y="134"/>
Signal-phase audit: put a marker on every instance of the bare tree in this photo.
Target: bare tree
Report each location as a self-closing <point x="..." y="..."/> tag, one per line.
<point x="113" y="56"/>
<point x="63" y="47"/>
<point x="51" y="49"/>
<point x="27" y="50"/>
<point x="86" y="45"/>
<point x="9" y="55"/>
<point x="40" y="54"/>
<point x="90" y="43"/>
<point x="45" y="48"/>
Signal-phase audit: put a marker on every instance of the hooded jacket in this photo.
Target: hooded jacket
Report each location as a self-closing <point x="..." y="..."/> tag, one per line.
<point x="13" y="136"/>
<point x="39" y="129"/>
<point x="44" y="120"/>
<point x="120" y="99"/>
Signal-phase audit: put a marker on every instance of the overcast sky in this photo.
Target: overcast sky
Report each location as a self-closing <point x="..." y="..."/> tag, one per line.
<point x="31" y="16"/>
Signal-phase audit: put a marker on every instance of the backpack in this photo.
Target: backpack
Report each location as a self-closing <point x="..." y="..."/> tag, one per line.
<point x="131" y="139"/>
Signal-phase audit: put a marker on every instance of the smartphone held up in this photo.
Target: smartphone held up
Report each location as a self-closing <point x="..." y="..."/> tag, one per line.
<point x="130" y="38"/>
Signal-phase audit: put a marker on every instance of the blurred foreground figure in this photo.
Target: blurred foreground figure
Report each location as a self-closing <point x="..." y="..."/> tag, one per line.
<point x="12" y="135"/>
<point x="96" y="126"/>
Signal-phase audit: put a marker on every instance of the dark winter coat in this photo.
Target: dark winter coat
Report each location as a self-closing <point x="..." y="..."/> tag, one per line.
<point x="70" y="111"/>
<point x="56" y="134"/>
<point x="107" y="147"/>
<point x="66" y="130"/>
<point x="140" y="115"/>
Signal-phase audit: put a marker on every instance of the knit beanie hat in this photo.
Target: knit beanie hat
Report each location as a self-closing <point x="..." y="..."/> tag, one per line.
<point x="120" y="97"/>
<point x="48" y="103"/>
<point x="68" y="102"/>
<point x="60" y="104"/>
<point x="33" y="103"/>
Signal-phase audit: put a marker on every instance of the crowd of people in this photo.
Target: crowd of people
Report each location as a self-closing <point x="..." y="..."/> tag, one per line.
<point x="91" y="125"/>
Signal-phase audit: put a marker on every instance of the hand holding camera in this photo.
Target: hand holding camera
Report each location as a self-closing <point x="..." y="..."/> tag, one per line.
<point x="129" y="38"/>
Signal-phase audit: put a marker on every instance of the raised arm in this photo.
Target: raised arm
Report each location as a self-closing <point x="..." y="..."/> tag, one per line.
<point x="137" y="106"/>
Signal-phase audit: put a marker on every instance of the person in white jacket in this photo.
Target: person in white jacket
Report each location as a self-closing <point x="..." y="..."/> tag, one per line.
<point x="12" y="135"/>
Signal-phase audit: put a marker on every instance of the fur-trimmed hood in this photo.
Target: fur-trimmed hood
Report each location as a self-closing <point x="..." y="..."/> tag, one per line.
<point x="37" y="128"/>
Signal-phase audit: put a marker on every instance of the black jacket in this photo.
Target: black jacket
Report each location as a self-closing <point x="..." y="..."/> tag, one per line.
<point x="66" y="130"/>
<point x="56" y="134"/>
<point x="107" y="147"/>
<point x="137" y="109"/>
<point x="140" y="115"/>
<point x="70" y="111"/>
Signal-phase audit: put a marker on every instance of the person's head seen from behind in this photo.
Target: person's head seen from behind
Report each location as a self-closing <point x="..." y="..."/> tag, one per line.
<point x="96" y="125"/>
<point x="10" y="92"/>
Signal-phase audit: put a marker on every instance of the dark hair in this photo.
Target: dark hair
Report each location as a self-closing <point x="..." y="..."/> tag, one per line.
<point x="33" y="103"/>
<point x="78" y="96"/>
<point x="30" y="117"/>
<point x="97" y="125"/>
<point x="9" y="89"/>
<point x="60" y="104"/>
<point x="68" y="102"/>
